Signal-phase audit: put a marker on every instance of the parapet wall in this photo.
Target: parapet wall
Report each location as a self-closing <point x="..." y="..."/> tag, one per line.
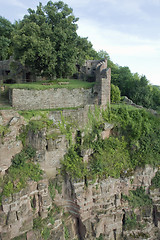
<point x="52" y="98"/>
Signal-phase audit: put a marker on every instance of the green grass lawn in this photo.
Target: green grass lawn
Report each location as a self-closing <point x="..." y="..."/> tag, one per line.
<point x="58" y="83"/>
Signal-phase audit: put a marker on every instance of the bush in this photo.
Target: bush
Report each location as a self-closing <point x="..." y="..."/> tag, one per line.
<point x="156" y="180"/>
<point x="141" y="131"/>
<point x="131" y="222"/>
<point x="115" y="94"/>
<point x="138" y="198"/>
<point x="73" y="164"/>
<point x="111" y="158"/>
<point x="22" y="169"/>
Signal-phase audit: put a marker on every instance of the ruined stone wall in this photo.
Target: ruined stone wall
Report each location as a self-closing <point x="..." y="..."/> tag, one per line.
<point x="103" y="86"/>
<point x="52" y="98"/>
<point x="24" y="99"/>
<point x="78" y="117"/>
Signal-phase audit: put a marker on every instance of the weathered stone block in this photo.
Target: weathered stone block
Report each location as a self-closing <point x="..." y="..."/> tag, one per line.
<point x="3" y="218"/>
<point x="27" y="225"/>
<point x="11" y="218"/>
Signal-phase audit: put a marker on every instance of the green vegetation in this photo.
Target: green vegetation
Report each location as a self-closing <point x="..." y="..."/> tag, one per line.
<point x="37" y="125"/>
<point x="141" y="131"/>
<point x="135" y="87"/>
<point x="140" y="234"/>
<point x="156" y="180"/>
<point x="110" y="159"/>
<point x="4" y="97"/>
<point x="132" y="85"/>
<point x="131" y="221"/>
<point x="44" y="226"/>
<point x="70" y="84"/>
<point x="21" y="237"/>
<point x="115" y="94"/>
<point x="45" y="233"/>
<point x="3" y="131"/>
<point x="66" y="232"/>
<point x="66" y="127"/>
<point x="55" y="184"/>
<point x="6" y="28"/>
<point x="135" y="142"/>
<point x="138" y="198"/>
<point x="34" y="113"/>
<point x="41" y="113"/>
<point x="73" y="164"/>
<point x="22" y="169"/>
<point x="46" y="40"/>
<point x="41" y="225"/>
<point x="51" y="189"/>
<point x="100" y="237"/>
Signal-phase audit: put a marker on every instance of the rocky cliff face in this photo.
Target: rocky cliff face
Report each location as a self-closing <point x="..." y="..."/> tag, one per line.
<point x="19" y="210"/>
<point x="9" y="144"/>
<point x="100" y="209"/>
<point x="97" y="211"/>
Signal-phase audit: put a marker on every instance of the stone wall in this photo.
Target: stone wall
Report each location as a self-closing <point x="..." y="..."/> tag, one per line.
<point x="23" y="99"/>
<point x="52" y="98"/>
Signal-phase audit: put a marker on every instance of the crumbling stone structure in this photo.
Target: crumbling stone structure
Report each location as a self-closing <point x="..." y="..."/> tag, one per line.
<point x="63" y="98"/>
<point x="12" y="71"/>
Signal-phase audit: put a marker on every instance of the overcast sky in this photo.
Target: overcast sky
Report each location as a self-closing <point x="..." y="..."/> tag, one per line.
<point x="129" y="30"/>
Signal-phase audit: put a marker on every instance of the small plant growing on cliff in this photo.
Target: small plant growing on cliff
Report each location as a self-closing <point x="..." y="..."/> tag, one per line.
<point x="45" y="233"/>
<point x="3" y="131"/>
<point x="22" y="169"/>
<point x="100" y="237"/>
<point x="51" y="189"/>
<point x="138" y="198"/>
<point x="66" y="128"/>
<point x="131" y="221"/>
<point x="156" y="180"/>
<point x="73" y="165"/>
<point x="66" y="231"/>
<point x="93" y="128"/>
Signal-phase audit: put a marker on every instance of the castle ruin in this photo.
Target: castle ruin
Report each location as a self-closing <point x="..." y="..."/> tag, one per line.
<point x="24" y="99"/>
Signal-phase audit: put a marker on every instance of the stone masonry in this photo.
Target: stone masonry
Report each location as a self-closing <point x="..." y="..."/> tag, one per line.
<point x="23" y="99"/>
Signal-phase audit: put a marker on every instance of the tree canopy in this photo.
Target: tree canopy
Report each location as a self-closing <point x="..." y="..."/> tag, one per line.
<point x="6" y="29"/>
<point x="46" y="40"/>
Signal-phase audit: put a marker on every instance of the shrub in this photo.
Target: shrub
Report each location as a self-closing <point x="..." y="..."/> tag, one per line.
<point x="156" y="180"/>
<point x="73" y="164"/>
<point x="131" y="222"/>
<point x="141" y="130"/>
<point x="115" y="94"/>
<point x="111" y="158"/>
<point x="22" y="169"/>
<point x="138" y="198"/>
